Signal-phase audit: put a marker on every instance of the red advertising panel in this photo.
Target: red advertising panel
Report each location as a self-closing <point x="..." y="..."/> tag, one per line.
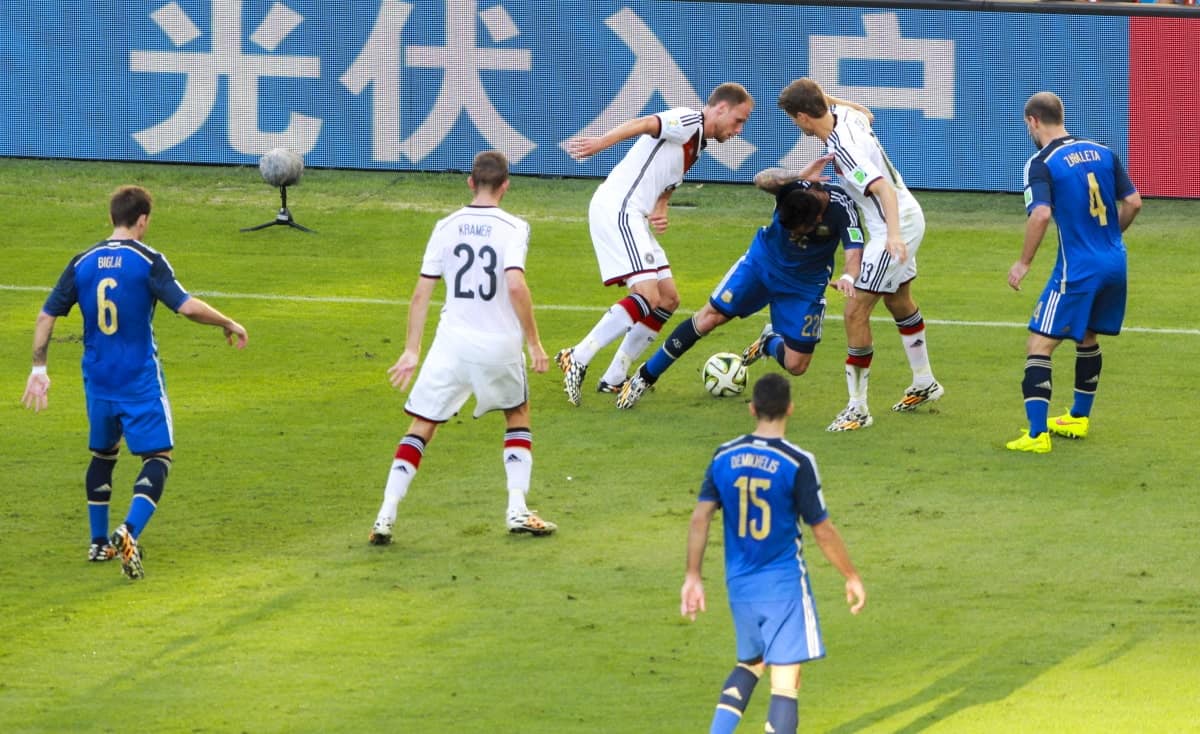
<point x="1164" y="106"/>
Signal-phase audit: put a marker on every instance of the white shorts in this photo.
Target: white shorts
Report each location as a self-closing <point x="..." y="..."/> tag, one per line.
<point x="452" y="372"/>
<point x="625" y="247"/>
<point x="882" y="273"/>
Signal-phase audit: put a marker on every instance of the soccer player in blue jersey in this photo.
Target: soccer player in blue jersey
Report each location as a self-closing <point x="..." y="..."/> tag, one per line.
<point x="787" y="267"/>
<point x="765" y="487"/>
<point x="117" y="284"/>
<point x="1084" y="187"/>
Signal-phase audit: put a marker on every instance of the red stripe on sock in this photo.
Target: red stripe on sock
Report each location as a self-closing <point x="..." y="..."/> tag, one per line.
<point x="910" y="330"/>
<point x="411" y="454"/>
<point x="630" y="304"/>
<point x="518" y="443"/>
<point x="859" y="361"/>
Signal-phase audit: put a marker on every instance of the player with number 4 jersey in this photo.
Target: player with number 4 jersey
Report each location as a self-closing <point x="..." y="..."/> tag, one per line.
<point x="1084" y="187"/>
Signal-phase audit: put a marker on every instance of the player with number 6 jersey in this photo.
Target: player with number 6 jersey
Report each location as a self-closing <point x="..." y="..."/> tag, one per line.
<point x="117" y="284"/>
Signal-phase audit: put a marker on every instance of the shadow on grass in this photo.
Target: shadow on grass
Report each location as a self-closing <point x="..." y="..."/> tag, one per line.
<point x="988" y="678"/>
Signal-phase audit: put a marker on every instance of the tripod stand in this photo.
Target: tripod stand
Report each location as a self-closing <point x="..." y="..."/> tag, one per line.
<point x="283" y="217"/>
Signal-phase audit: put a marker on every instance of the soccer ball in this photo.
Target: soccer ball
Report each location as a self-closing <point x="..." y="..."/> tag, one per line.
<point x="724" y="375"/>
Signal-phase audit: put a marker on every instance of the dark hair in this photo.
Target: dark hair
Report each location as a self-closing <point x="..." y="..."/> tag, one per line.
<point x="1046" y="108"/>
<point x="490" y="169"/>
<point x="799" y="207"/>
<point x="803" y="95"/>
<point x="127" y="204"/>
<point x="731" y="92"/>
<point x="772" y="396"/>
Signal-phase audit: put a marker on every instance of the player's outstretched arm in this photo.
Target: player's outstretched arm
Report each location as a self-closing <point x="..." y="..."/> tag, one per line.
<point x="771" y="180"/>
<point x="202" y="313"/>
<point x="37" y="387"/>
<point x="834" y="548"/>
<point x="584" y="147"/>
<point x="691" y="595"/>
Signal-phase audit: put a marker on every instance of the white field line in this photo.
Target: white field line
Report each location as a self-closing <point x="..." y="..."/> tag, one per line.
<point x="569" y="307"/>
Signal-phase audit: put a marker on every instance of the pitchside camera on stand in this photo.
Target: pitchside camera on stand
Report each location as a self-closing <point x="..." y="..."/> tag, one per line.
<point x="281" y="167"/>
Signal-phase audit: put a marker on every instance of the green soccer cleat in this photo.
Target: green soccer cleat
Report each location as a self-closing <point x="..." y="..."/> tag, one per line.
<point x="1039" y="444"/>
<point x="1068" y="426"/>
<point x="128" y="551"/>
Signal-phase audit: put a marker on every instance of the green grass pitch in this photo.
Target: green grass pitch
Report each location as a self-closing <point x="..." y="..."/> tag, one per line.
<point x="1007" y="593"/>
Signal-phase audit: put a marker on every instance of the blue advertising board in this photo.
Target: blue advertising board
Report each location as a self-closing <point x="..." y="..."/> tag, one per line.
<point x="423" y="85"/>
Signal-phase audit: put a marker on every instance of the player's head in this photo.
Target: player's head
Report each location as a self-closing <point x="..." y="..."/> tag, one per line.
<point x="800" y="207"/>
<point x="804" y="101"/>
<point x="489" y="171"/>
<point x="1044" y="117"/>
<point x="128" y="205"/>
<point x="726" y="112"/>
<point x="772" y="398"/>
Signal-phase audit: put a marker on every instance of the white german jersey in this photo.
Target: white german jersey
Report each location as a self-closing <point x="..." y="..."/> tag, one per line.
<point x="860" y="161"/>
<point x="655" y="164"/>
<point x="471" y="249"/>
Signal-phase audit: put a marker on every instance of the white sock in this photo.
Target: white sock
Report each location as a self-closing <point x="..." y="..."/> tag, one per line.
<point x="518" y="468"/>
<point x="615" y="322"/>
<point x="635" y="342"/>
<point x="399" y="478"/>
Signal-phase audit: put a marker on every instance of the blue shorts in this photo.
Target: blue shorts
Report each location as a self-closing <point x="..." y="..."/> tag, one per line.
<point x="777" y="632"/>
<point x="797" y="314"/>
<point x="1072" y="314"/>
<point x="145" y="425"/>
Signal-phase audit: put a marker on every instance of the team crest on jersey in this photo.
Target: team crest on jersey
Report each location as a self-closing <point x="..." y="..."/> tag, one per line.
<point x="726" y="296"/>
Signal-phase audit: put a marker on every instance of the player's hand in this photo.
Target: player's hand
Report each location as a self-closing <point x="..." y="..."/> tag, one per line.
<point x="812" y="172"/>
<point x="234" y="329"/>
<point x="843" y="286"/>
<point x="1016" y="274"/>
<point x="36" y="388"/>
<point x="658" y="222"/>
<point x="582" y="148"/>
<point x="537" y="355"/>
<point x="691" y="598"/>
<point x="856" y="595"/>
<point x="897" y="248"/>
<point x="401" y="373"/>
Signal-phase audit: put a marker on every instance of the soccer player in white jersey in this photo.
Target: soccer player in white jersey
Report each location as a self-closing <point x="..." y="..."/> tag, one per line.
<point x="630" y="203"/>
<point x="480" y="250"/>
<point x="895" y="225"/>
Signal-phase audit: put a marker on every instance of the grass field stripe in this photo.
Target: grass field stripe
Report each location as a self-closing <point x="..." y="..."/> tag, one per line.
<point x="568" y="307"/>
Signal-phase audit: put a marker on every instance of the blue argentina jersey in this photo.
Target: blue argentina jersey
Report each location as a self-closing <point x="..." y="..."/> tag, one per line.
<point x="117" y="284"/>
<point x="764" y="486"/>
<point x="1081" y="181"/>
<point x="789" y="265"/>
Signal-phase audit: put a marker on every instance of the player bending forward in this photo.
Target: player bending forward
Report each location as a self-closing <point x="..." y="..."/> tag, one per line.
<point x="478" y="346"/>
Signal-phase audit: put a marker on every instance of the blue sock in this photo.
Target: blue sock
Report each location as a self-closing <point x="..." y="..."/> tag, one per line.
<point x="783" y="715"/>
<point x="735" y="695"/>
<point x="1087" y="378"/>
<point x="775" y="348"/>
<point x="146" y="493"/>
<point x="99" y="492"/>
<point x="1036" y="389"/>
<point x="683" y="338"/>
